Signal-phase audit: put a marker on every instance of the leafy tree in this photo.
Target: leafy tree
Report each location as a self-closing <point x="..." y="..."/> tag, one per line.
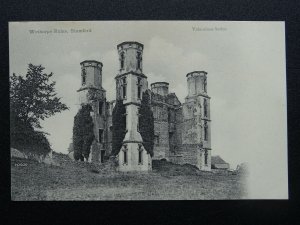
<point x="118" y="127"/>
<point x="146" y="123"/>
<point x="33" y="97"/>
<point x="83" y="134"/>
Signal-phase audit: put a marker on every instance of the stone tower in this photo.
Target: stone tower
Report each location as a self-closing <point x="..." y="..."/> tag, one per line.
<point x="161" y="88"/>
<point x="130" y="84"/>
<point x="92" y="92"/>
<point x="196" y="114"/>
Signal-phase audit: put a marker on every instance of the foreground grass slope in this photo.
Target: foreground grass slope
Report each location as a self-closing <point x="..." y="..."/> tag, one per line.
<point x="77" y="181"/>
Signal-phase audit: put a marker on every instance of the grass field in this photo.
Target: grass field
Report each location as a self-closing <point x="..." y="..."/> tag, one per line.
<point x="69" y="180"/>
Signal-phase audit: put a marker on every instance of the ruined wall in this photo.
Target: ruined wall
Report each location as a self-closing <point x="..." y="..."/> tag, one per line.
<point x="187" y="148"/>
<point x="161" y="130"/>
<point x="186" y="154"/>
<point x="191" y="123"/>
<point x="167" y="113"/>
<point x="190" y="154"/>
<point x="99" y="115"/>
<point x="178" y="133"/>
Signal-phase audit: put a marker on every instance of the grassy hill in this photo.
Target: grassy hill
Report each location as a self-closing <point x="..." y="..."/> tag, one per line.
<point x="70" y="180"/>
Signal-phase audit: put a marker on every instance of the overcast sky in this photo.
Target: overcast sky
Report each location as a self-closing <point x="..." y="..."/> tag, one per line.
<point x="245" y="62"/>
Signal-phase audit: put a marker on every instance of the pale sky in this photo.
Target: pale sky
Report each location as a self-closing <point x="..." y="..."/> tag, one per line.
<point x="245" y="62"/>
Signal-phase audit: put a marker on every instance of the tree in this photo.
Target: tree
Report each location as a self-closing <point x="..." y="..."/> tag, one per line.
<point x="146" y="123"/>
<point x="83" y="134"/>
<point x="33" y="97"/>
<point x="118" y="127"/>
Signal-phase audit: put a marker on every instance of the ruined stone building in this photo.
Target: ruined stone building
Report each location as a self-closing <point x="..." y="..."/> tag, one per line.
<point x="182" y="130"/>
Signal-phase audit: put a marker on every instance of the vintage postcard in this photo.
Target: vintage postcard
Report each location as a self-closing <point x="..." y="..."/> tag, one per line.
<point x="148" y="110"/>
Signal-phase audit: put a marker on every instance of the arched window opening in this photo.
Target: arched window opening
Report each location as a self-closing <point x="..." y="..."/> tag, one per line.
<point x="100" y="135"/>
<point x="100" y="107"/>
<point x="140" y="158"/>
<point x="125" y="156"/>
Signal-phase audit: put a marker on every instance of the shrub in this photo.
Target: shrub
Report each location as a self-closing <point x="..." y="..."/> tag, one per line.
<point x="24" y="138"/>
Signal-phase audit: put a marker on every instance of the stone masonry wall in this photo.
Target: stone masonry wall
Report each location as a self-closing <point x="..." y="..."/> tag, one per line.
<point x="161" y="146"/>
<point x="161" y="131"/>
<point x="189" y="154"/>
<point x="186" y="154"/>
